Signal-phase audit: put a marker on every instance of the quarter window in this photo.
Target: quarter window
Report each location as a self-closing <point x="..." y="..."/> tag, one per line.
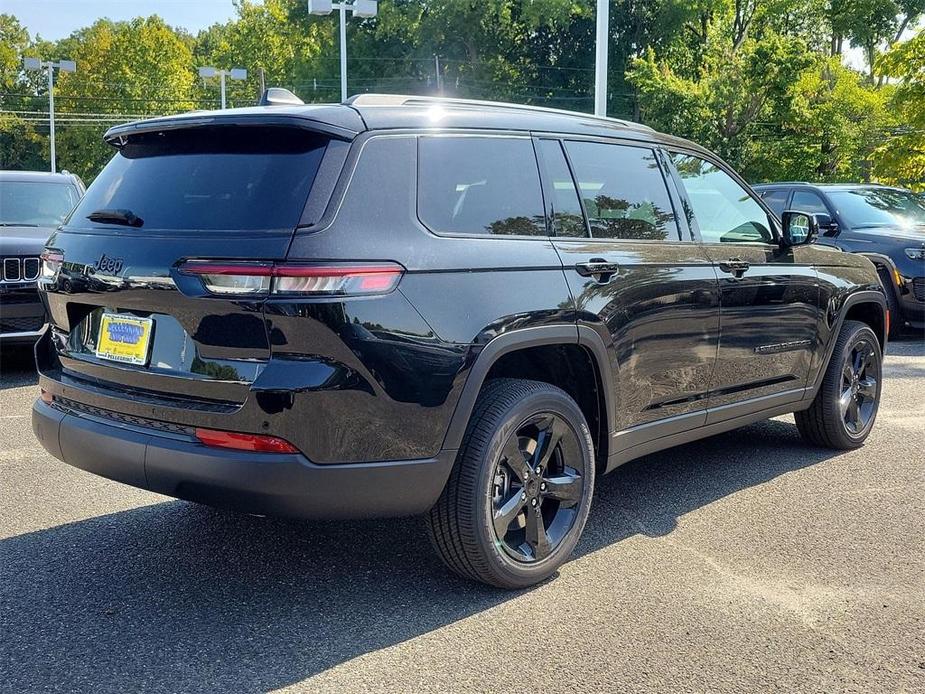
<point x="480" y="185"/>
<point x="724" y="210"/>
<point x="623" y="191"/>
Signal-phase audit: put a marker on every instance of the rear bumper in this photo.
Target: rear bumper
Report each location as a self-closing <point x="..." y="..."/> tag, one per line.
<point x="263" y="483"/>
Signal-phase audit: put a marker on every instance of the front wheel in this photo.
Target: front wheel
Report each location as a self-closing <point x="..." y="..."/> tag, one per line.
<point x="519" y="494"/>
<point x="843" y="411"/>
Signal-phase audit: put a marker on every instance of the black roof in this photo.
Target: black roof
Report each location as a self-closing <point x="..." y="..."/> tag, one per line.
<point x="368" y="112"/>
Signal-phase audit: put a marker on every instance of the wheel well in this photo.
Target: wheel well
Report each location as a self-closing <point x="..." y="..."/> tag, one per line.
<point x="569" y="367"/>
<point x="870" y="313"/>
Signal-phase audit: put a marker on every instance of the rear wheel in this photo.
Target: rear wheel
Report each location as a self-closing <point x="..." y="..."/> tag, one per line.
<point x="843" y="411"/>
<point x="518" y="497"/>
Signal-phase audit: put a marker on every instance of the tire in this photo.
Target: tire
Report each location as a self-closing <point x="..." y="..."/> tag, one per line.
<point x="486" y="524"/>
<point x="892" y="303"/>
<point x="829" y="422"/>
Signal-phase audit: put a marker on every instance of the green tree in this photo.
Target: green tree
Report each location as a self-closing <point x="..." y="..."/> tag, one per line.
<point x="741" y="82"/>
<point x="901" y="158"/>
<point x="21" y="147"/>
<point x="125" y="70"/>
<point x="825" y="132"/>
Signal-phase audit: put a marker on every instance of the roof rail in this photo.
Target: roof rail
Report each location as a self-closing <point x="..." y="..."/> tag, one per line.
<point x="410" y="100"/>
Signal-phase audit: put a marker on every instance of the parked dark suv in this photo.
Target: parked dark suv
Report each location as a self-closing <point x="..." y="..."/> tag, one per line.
<point x="885" y="224"/>
<point x="32" y="204"/>
<point x="460" y="309"/>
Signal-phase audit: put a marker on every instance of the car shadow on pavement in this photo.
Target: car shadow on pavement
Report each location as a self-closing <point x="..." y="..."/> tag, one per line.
<point x="17" y="367"/>
<point x="178" y="597"/>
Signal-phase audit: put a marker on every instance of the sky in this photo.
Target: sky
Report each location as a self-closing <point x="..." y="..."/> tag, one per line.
<point x="55" y="19"/>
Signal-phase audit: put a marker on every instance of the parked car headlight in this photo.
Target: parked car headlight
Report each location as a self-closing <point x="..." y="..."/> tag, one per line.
<point x="916" y="253"/>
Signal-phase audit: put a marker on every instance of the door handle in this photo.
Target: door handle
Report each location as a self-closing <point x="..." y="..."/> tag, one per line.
<point x="734" y="266"/>
<point x="598" y="268"/>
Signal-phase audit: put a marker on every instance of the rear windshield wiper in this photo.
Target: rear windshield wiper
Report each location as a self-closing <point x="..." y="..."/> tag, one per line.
<point x="16" y="224"/>
<point x="123" y="217"/>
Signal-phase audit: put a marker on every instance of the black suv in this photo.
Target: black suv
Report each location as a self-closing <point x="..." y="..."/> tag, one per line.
<point x="466" y="310"/>
<point x="885" y="224"/>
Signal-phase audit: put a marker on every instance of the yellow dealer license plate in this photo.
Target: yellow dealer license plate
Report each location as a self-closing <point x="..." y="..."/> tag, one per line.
<point x="124" y="338"/>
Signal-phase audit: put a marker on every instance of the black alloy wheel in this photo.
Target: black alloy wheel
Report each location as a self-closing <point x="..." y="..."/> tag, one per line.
<point x="858" y="401"/>
<point x="519" y="493"/>
<point x="536" y="492"/>
<point x="844" y="409"/>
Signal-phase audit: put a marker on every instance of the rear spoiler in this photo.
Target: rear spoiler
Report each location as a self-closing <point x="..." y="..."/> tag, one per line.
<point x="346" y="123"/>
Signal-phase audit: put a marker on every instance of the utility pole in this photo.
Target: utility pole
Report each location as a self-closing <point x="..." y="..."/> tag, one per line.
<point x="437" y="71"/>
<point x="359" y="8"/>
<point x="63" y="66"/>
<point x="600" y="57"/>
<point x="263" y="80"/>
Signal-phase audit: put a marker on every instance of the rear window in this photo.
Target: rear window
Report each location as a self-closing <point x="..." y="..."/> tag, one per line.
<point x="480" y="185"/>
<point x="225" y="178"/>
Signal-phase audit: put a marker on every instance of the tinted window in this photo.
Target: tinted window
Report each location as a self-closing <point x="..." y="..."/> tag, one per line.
<point x="724" y="210"/>
<point x="563" y="205"/>
<point x="623" y="191"/>
<point x="206" y="179"/>
<point x="776" y="200"/>
<point x="28" y="203"/>
<point x="807" y="201"/>
<point x="873" y="207"/>
<point x="480" y="185"/>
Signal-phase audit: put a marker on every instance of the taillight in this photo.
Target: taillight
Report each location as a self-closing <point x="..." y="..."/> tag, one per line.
<point x="51" y="264"/>
<point x="244" y="278"/>
<point x="258" y="443"/>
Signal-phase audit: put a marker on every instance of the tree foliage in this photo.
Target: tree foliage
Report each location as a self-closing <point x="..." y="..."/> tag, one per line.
<point x="901" y="160"/>
<point x="762" y="82"/>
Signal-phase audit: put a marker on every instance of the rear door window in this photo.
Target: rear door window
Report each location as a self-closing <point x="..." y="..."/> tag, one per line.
<point x="223" y="178"/>
<point x="623" y="191"/>
<point x="480" y="185"/>
<point x="562" y="204"/>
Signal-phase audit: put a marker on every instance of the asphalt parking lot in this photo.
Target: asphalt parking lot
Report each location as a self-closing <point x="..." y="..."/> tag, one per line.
<point x="746" y="562"/>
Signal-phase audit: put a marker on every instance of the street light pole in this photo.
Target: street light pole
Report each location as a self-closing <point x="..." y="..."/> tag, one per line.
<point x="342" y="8"/>
<point x="359" y="8"/>
<point x="235" y="74"/>
<point x="51" y="116"/>
<point x="600" y="58"/>
<point x="50" y="65"/>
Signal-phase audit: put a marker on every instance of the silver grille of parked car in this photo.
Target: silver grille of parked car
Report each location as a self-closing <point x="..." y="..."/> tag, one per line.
<point x="21" y="269"/>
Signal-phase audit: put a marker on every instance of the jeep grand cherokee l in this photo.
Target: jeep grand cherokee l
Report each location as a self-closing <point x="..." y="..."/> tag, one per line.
<point x="459" y="309"/>
<point x="885" y="224"/>
<point x="32" y="204"/>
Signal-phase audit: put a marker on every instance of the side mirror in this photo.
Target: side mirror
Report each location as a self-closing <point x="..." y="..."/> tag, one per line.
<point x="800" y="228"/>
<point x="827" y="225"/>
